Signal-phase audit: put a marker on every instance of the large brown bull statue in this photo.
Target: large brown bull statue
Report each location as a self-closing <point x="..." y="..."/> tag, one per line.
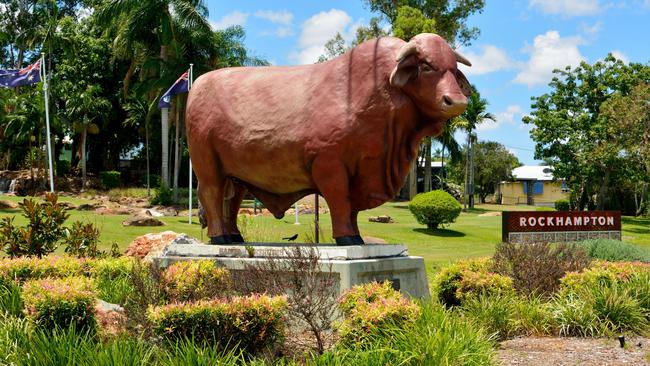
<point x="347" y="129"/>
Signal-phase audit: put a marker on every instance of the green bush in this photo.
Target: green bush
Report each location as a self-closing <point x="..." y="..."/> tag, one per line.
<point x="494" y="313"/>
<point x="434" y="208"/>
<point x="110" y="179"/>
<point x="154" y="180"/>
<point x="112" y="277"/>
<point x="60" y="303"/>
<point x="62" y="168"/>
<point x="195" y="280"/>
<point x="253" y="323"/>
<point x="81" y="240"/>
<point x="562" y="205"/>
<point x="534" y="316"/>
<point x="465" y="279"/>
<point x="42" y="233"/>
<point x="19" y="270"/>
<point x="437" y="337"/>
<point x="614" y="250"/>
<point x="163" y="196"/>
<point x="11" y="301"/>
<point x="367" y="309"/>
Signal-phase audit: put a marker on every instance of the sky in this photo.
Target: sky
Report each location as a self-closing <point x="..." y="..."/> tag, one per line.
<point x="521" y="42"/>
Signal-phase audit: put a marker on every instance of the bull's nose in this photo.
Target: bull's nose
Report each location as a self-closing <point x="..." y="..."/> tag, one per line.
<point x="454" y="105"/>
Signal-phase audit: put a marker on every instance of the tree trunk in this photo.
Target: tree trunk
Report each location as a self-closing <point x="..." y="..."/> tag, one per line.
<point x="465" y="201"/>
<point x="471" y="172"/>
<point x="602" y="191"/>
<point x="413" y="179"/>
<point x="84" y="133"/>
<point x="442" y="169"/>
<point x="146" y="142"/>
<point x="427" y="166"/>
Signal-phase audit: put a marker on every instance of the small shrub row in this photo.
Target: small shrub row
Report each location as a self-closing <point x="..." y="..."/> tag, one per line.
<point x="464" y="279"/>
<point x="252" y="323"/>
<point x="61" y="302"/>
<point x="195" y="280"/>
<point x="370" y="308"/>
<point x="614" y="250"/>
<point x="563" y="205"/>
<point x="110" y="179"/>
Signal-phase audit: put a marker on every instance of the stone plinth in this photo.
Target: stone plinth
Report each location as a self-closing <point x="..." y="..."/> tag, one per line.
<point x="351" y="265"/>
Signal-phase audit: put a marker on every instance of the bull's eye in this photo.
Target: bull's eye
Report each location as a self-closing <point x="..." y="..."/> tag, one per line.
<point x="425" y="68"/>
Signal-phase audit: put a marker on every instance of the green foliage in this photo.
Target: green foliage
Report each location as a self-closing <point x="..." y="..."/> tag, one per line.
<point x="60" y="303"/>
<point x="544" y="209"/>
<point x="614" y="250"/>
<point x="495" y="314"/>
<point x="11" y="302"/>
<point x="253" y="323"/>
<point x="562" y="205"/>
<point x="434" y="208"/>
<point x="410" y="22"/>
<point x="466" y="279"/>
<point x="187" y="352"/>
<point x="368" y="309"/>
<point x="110" y="179"/>
<point x="19" y="270"/>
<point x="112" y="277"/>
<point x="62" y="168"/>
<point x="163" y="196"/>
<point x="82" y="239"/>
<point x="536" y="268"/>
<point x="195" y="280"/>
<point x="40" y="236"/>
<point x="437" y="337"/>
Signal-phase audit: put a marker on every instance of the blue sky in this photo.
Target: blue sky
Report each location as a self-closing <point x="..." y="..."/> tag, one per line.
<point x="521" y="42"/>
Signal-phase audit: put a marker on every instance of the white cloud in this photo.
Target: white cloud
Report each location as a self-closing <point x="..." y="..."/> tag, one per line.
<point x="490" y="59"/>
<point x="591" y="30"/>
<point x="234" y="18"/>
<point x="316" y="31"/>
<point x="549" y="51"/>
<point x="646" y="4"/>
<point x="505" y="117"/>
<point x="620" y="55"/>
<point x="567" y="7"/>
<point x="281" y="17"/>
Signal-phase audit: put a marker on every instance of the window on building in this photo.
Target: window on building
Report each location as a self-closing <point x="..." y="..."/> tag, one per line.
<point x="538" y="187"/>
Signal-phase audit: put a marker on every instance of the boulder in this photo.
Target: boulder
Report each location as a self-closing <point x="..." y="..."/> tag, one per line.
<point x="143" y="218"/>
<point x="88" y="206"/>
<point x="8" y="205"/>
<point x="384" y="219"/>
<point x="111" y="319"/>
<point x="143" y="245"/>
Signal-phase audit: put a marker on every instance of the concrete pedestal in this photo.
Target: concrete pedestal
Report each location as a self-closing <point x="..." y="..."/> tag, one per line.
<point x="350" y="265"/>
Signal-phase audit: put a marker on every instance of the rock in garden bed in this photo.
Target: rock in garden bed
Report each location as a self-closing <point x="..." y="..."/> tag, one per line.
<point x="150" y="243"/>
<point x="384" y="219"/>
<point x="143" y="218"/>
<point x="7" y="205"/>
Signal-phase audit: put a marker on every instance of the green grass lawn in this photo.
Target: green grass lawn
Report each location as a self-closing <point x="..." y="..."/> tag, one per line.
<point x="470" y="236"/>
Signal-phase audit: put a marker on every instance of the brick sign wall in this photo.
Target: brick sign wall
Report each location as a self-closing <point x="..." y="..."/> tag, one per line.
<point x="551" y="226"/>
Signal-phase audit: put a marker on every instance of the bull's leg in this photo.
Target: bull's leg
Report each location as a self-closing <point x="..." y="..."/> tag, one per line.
<point x="210" y="192"/>
<point x="355" y="226"/>
<point x="231" y="222"/>
<point x="331" y="179"/>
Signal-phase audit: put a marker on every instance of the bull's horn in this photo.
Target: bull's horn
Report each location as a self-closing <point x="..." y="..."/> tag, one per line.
<point x="408" y="49"/>
<point x="460" y="58"/>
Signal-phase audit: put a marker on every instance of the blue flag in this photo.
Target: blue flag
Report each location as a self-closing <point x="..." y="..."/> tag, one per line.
<point x="182" y="85"/>
<point x="27" y="76"/>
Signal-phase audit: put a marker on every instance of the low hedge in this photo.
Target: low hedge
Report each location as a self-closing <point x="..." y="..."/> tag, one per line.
<point x="195" y="280"/>
<point x="110" y="179"/>
<point x="61" y="302"/>
<point x="252" y="323"/>
<point x="434" y="208"/>
<point x="21" y="269"/>
<point x="562" y="205"/>
<point x="614" y="250"/>
<point x="369" y="308"/>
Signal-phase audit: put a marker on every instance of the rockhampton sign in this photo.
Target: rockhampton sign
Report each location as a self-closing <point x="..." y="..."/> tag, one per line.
<point x="559" y="226"/>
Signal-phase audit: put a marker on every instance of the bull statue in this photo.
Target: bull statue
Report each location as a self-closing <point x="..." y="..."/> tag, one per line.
<point x="347" y="129"/>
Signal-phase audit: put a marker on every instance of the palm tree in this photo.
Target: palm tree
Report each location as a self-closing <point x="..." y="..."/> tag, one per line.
<point x="84" y="109"/>
<point x="474" y="115"/>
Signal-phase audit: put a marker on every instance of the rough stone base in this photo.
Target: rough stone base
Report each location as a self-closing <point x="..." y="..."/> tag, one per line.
<point x="366" y="263"/>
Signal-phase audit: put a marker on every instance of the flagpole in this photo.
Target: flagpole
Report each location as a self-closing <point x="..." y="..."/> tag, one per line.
<point x="47" y="120"/>
<point x="189" y="86"/>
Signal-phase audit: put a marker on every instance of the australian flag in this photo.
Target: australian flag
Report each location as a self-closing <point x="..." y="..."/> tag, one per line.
<point x="27" y="76"/>
<point x="182" y="85"/>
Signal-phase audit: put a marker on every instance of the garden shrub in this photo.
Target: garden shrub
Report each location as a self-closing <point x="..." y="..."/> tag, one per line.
<point x="42" y="232"/>
<point x="563" y="205"/>
<point x="534" y="316"/>
<point x="253" y="323"/>
<point x="538" y="267"/>
<point x="367" y="309"/>
<point x="61" y="302"/>
<point x="437" y="337"/>
<point x="464" y="279"/>
<point x="81" y="240"/>
<point x="602" y="273"/>
<point x="575" y="317"/>
<point x="19" y="270"/>
<point x="110" y="179"/>
<point x="62" y="168"/>
<point x="434" y="208"/>
<point x="195" y="280"/>
<point x="495" y="313"/>
<point x="163" y="196"/>
<point x="112" y="277"/>
<point x="11" y="301"/>
<point x="614" y="250"/>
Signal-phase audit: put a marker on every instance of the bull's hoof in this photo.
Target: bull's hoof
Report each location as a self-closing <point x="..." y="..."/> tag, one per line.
<point x="221" y="239"/>
<point x="236" y="238"/>
<point x="349" y="240"/>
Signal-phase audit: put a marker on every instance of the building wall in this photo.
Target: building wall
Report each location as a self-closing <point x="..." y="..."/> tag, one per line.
<point x="512" y="193"/>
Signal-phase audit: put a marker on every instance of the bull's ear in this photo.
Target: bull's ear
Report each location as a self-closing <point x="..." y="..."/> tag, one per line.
<point x="463" y="83"/>
<point x="405" y="71"/>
